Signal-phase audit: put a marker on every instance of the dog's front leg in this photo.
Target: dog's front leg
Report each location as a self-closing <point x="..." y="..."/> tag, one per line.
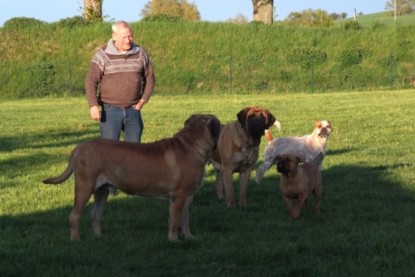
<point x="288" y="202"/>
<point x="295" y="213"/>
<point x="184" y="221"/>
<point x="227" y="182"/>
<point x="244" y="177"/>
<point x="218" y="184"/>
<point x="177" y="203"/>
<point x="317" y="197"/>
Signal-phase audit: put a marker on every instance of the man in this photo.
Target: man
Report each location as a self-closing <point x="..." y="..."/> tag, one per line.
<point x="124" y="75"/>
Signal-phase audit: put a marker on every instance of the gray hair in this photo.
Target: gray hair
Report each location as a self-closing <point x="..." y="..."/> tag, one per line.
<point x="119" y="24"/>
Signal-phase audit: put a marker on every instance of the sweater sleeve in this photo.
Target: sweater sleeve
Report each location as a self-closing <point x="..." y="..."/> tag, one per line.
<point x="93" y="78"/>
<point x="148" y="82"/>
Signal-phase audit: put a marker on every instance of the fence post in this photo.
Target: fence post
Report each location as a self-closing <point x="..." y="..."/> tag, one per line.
<point x="230" y="75"/>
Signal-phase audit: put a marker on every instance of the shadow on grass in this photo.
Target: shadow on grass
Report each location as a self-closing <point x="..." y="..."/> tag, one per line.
<point x="366" y="227"/>
<point x="42" y="139"/>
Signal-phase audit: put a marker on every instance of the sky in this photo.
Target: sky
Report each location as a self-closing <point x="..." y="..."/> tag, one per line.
<point x="210" y="10"/>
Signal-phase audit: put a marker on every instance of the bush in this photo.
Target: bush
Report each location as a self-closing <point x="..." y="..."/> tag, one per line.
<point x="42" y="79"/>
<point x="352" y="25"/>
<point x="20" y="23"/>
<point x="162" y="18"/>
<point x="307" y="56"/>
<point x="351" y="56"/>
<point x="71" y="22"/>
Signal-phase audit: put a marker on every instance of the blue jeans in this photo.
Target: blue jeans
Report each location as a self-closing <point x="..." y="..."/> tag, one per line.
<point x="114" y="120"/>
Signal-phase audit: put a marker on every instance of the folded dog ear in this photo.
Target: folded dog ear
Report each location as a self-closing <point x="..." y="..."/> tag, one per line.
<point x="213" y="124"/>
<point x="270" y="119"/>
<point x="242" y="115"/>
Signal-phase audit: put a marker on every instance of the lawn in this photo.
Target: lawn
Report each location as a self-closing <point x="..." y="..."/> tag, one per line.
<point x="366" y="227"/>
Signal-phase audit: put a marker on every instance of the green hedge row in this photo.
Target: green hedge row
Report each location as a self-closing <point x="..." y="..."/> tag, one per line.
<point x="41" y="59"/>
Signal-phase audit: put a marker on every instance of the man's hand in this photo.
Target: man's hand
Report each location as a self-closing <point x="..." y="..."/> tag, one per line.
<point x="139" y="105"/>
<point x="95" y="113"/>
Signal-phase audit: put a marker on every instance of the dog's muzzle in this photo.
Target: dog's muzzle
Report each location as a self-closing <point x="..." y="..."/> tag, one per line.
<point x="324" y="132"/>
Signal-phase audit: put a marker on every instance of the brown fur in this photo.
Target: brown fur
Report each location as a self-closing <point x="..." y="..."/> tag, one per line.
<point x="297" y="181"/>
<point x="171" y="168"/>
<point x="237" y="151"/>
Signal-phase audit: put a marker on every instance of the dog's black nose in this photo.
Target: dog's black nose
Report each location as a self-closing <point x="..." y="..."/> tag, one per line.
<point x="280" y="166"/>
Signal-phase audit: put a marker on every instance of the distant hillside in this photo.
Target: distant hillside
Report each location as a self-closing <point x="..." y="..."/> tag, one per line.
<point x="385" y="18"/>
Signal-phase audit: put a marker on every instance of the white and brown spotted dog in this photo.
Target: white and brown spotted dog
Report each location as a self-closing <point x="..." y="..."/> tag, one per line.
<point x="237" y="151"/>
<point x="307" y="147"/>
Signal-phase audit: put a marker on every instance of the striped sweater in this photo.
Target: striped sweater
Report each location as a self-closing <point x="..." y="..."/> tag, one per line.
<point x="119" y="79"/>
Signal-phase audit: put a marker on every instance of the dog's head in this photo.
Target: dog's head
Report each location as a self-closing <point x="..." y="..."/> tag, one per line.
<point x="198" y="122"/>
<point x="287" y="164"/>
<point x="255" y="120"/>
<point x="322" y="128"/>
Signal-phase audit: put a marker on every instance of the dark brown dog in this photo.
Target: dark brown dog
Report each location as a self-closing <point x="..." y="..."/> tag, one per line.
<point x="237" y="151"/>
<point x="171" y="168"/>
<point x="298" y="180"/>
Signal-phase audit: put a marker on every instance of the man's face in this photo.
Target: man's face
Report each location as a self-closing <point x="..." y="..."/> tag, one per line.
<point x="123" y="39"/>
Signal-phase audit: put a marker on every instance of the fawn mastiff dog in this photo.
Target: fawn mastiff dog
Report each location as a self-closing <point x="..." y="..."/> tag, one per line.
<point x="307" y="147"/>
<point x="298" y="180"/>
<point x="237" y="151"/>
<point x="171" y="168"/>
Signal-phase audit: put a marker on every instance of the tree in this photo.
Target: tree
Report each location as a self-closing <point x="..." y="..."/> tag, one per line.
<point x="402" y="6"/>
<point x="263" y="11"/>
<point x="310" y="18"/>
<point x="239" y="19"/>
<point x="175" y="8"/>
<point x="93" y="10"/>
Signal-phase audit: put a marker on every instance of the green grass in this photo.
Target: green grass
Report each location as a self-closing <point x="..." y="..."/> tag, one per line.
<point x="366" y="227"/>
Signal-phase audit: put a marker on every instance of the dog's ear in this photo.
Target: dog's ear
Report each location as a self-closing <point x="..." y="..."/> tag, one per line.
<point x="270" y="119"/>
<point x="242" y="115"/>
<point x="213" y="124"/>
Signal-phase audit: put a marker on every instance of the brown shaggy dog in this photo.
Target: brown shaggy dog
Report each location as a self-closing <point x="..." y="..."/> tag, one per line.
<point x="298" y="180"/>
<point x="171" y="168"/>
<point x="237" y="151"/>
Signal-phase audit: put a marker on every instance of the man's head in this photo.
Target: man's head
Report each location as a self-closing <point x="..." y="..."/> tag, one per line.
<point x="122" y="35"/>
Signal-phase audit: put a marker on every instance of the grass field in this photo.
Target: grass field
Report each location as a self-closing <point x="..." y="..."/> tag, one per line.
<point x="366" y="227"/>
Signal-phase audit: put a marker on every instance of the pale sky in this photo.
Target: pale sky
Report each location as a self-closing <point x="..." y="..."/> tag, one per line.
<point x="210" y="10"/>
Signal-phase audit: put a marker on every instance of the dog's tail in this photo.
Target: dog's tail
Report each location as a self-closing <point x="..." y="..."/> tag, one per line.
<point x="61" y="178"/>
<point x="268" y="134"/>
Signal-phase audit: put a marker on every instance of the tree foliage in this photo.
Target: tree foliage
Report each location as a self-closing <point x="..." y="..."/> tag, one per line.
<point x="174" y="8"/>
<point x="309" y="18"/>
<point x="402" y="6"/>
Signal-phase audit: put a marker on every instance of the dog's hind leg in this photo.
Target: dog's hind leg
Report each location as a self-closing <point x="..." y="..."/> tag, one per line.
<point x="100" y="200"/>
<point x="80" y="201"/>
